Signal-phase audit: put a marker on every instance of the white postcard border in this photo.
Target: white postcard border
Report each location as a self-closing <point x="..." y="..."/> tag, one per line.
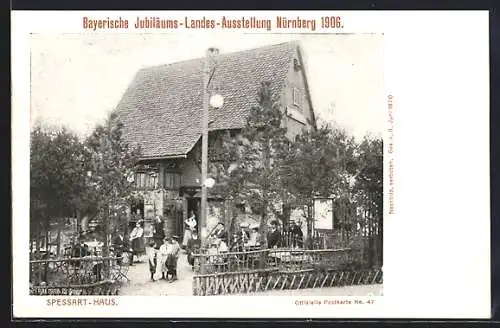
<point x="439" y="94"/>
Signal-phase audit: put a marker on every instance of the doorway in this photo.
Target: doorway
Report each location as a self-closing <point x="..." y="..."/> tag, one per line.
<point x="194" y="204"/>
<point x="136" y="213"/>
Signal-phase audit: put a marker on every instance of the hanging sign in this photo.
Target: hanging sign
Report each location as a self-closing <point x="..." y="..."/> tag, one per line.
<point x="323" y="214"/>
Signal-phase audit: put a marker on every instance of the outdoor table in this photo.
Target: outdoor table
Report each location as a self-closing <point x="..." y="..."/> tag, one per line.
<point x="95" y="246"/>
<point x="290" y="257"/>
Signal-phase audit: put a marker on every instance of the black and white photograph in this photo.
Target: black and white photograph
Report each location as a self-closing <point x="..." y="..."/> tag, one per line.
<point x="186" y="165"/>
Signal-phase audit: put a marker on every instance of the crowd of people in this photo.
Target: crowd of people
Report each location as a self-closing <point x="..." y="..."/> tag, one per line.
<point x="163" y="251"/>
<point x="164" y="258"/>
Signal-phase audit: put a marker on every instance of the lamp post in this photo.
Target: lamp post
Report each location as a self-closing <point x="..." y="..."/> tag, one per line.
<point x="216" y="101"/>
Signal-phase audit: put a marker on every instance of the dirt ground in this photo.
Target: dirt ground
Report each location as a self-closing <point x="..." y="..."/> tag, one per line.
<point x="140" y="285"/>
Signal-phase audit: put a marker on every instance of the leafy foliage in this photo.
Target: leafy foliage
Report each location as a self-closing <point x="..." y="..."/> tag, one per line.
<point x="69" y="175"/>
<point x="58" y="162"/>
<point x="369" y="177"/>
<point x="262" y="167"/>
<point x="252" y="166"/>
<point x="319" y="164"/>
<point x="111" y="166"/>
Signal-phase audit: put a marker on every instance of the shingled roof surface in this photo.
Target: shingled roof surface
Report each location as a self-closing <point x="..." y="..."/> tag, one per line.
<point x="161" y="109"/>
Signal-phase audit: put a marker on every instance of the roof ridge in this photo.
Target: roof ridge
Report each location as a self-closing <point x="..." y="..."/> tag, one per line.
<point x="226" y="54"/>
<point x="161" y="108"/>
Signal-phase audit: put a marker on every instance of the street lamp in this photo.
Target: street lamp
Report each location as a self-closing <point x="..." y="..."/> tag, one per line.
<point x="209" y="182"/>
<point x="215" y="101"/>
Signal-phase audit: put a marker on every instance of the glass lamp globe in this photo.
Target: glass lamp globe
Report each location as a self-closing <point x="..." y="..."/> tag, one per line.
<point x="216" y="101"/>
<point x="209" y="183"/>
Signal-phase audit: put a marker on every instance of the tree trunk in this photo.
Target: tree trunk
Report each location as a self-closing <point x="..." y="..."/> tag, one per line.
<point x="263" y="225"/>
<point x="232" y="218"/>
<point x="380" y="238"/>
<point x="286" y="214"/>
<point x="46" y="264"/>
<point x="46" y="237"/>
<point x="78" y="222"/>
<point x="105" y="248"/>
<point x="38" y="227"/>
<point x="310" y="226"/>
<point x="60" y="225"/>
<point x="263" y="229"/>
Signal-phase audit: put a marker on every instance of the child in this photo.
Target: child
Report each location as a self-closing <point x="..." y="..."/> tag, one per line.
<point x="164" y="251"/>
<point x="173" y="255"/>
<point x="153" y="261"/>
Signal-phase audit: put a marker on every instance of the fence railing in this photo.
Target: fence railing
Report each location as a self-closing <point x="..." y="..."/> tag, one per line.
<point x="281" y="259"/>
<point x="261" y="270"/>
<point x="79" y="275"/>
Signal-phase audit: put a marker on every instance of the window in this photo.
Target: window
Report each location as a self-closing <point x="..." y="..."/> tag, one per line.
<point x="172" y="180"/>
<point x="146" y="180"/>
<point x="298" y="98"/>
<point x="296" y="65"/>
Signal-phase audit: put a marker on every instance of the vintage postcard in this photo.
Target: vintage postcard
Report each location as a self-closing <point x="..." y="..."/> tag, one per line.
<point x="249" y="164"/>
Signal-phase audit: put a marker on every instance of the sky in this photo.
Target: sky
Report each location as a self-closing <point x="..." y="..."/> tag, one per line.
<point x="77" y="79"/>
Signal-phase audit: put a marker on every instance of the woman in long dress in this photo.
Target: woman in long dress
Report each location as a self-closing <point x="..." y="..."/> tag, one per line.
<point x="193" y="246"/>
<point x="190" y="227"/>
<point x="136" y="240"/>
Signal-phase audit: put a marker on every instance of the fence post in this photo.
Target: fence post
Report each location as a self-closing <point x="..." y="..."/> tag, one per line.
<point x="60" y="225"/>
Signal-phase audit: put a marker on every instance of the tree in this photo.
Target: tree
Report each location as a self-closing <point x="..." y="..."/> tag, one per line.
<point x="368" y="192"/>
<point x="229" y="182"/>
<point x="251" y="171"/>
<point x="319" y="164"/>
<point x="57" y="175"/>
<point x="369" y="176"/>
<point x="112" y="163"/>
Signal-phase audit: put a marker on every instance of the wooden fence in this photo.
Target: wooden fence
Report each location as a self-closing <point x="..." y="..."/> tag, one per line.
<point x="261" y="270"/>
<point x="91" y="275"/>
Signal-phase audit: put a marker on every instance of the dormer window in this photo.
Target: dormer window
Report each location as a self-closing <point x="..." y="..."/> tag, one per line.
<point x="296" y="65"/>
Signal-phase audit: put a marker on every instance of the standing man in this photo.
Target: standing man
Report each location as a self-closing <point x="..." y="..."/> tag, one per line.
<point x="158" y="232"/>
<point x="172" y="258"/>
<point x="274" y="236"/>
<point x="297" y="235"/>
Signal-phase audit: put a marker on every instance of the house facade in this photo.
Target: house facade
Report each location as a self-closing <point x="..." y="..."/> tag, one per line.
<point x="161" y="112"/>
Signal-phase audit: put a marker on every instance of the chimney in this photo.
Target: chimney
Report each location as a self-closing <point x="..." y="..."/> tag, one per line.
<point x="212" y="51"/>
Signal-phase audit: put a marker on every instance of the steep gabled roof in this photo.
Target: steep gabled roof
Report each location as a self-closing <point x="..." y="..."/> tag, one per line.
<point x="161" y="109"/>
